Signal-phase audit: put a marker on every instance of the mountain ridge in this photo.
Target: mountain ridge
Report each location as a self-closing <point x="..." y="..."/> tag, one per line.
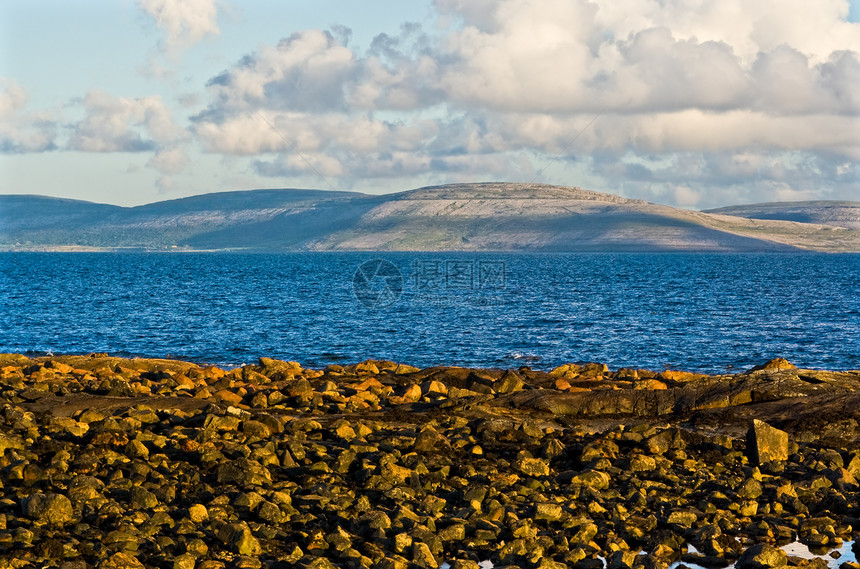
<point x="488" y="216"/>
<point x="839" y="213"/>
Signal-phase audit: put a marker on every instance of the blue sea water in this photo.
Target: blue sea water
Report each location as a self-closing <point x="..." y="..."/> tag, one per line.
<point x="700" y="312"/>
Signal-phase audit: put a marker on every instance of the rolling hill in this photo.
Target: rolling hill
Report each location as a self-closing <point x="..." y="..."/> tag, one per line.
<point x="840" y="214"/>
<point x="462" y="217"/>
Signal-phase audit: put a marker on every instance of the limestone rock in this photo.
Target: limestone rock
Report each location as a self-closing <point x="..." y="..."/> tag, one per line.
<point x="508" y="383"/>
<point x="121" y="561"/>
<point x="50" y="509"/>
<point x="239" y="539"/>
<point x="762" y="556"/>
<point x="776" y="364"/>
<point x="766" y="443"/>
<point x="533" y="467"/>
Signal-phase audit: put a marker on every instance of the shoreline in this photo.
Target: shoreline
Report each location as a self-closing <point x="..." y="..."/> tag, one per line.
<point x="113" y="462"/>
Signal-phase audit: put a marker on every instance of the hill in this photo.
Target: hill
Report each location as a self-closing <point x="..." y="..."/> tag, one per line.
<point x="461" y="217"/>
<point x="840" y="214"/>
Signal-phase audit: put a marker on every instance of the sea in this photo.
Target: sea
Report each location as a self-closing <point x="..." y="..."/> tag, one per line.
<point x="703" y="312"/>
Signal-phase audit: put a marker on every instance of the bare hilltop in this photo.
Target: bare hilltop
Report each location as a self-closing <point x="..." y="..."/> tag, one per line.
<point x="456" y="217"/>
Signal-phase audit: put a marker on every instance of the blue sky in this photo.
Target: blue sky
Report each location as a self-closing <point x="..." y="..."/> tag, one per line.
<point x="696" y="103"/>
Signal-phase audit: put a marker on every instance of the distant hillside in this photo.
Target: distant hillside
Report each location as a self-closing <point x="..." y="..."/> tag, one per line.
<point x="841" y="214"/>
<point x="459" y="217"/>
<point x="40" y="221"/>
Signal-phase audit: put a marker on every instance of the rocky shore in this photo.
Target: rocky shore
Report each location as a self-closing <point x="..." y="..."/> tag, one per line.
<point x="118" y="463"/>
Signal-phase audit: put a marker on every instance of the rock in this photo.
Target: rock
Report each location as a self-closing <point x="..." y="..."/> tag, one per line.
<point x="423" y="557"/>
<point x="121" y="560"/>
<point x="566" y="371"/>
<point x="593" y="479"/>
<point x="366" y="368"/>
<point x="776" y="364"/>
<point x="7" y="441"/>
<point x="534" y="467"/>
<point x="50" y="509"/>
<point x="429" y="440"/>
<point x="184" y="561"/>
<point x="843" y="479"/>
<point x="762" y="556"/>
<point x="750" y="489"/>
<point x="244" y="472"/>
<point x="142" y="499"/>
<point x="642" y="463"/>
<point x="256" y="429"/>
<point x="620" y="560"/>
<point x="412" y="394"/>
<point x="198" y="513"/>
<point x="664" y="441"/>
<point x="548" y="511"/>
<point x="766" y="443"/>
<point x="674" y="376"/>
<point x="508" y="383"/>
<point x="373" y="521"/>
<point x="649" y="385"/>
<point x="593" y="370"/>
<point x="683" y="518"/>
<point x="239" y="539"/>
<point x="332" y="470"/>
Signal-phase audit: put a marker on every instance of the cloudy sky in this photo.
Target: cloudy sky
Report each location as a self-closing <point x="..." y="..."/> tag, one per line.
<point x="695" y="103"/>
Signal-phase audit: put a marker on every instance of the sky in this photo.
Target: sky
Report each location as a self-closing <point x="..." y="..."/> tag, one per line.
<point x="691" y="103"/>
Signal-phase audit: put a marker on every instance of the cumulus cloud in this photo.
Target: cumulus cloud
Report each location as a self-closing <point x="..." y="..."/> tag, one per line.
<point x="122" y="124"/>
<point x="184" y="22"/>
<point x="125" y="124"/>
<point x="13" y="97"/>
<point x="304" y="72"/>
<point x="22" y="131"/>
<point x="700" y="93"/>
<point x="169" y="160"/>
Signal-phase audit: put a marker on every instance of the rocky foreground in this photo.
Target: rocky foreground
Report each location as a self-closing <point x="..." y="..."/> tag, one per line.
<point x="117" y="463"/>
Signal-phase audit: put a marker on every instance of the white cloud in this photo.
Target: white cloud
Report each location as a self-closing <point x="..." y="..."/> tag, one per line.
<point x="575" y="56"/>
<point x="13" y="97"/>
<point x="169" y="161"/>
<point x="122" y="124"/>
<point x="306" y="71"/>
<point x="685" y="196"/>
<point x="694" y="100"/>
<point x="22" y="131"/>
<point x="185" y="22"/>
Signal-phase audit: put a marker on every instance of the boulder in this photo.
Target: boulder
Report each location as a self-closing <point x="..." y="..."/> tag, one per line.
<point x="50" y="509"/>
<point x="762" y="556"/>
<point x="776" y="364"/>
<point x="533" y="467"/>
<point x="766" y="443"/>
<point x="243" y="472"/>
<point x="508" y="383"/>
<point x="239" y="539"/>
<point x="121" y="561"/>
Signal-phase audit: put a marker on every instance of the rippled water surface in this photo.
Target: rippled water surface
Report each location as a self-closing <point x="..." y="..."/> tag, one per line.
<point x="704" y="312"/>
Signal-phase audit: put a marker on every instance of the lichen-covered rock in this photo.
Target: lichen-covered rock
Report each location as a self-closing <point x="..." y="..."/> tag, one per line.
<point x="51" y="509"/>
<point x="762" y="556"/>
<point x="766" y="443"/>
<point x="238" y="538"/>
<point x="534" y="467"/>
<point x="776" y="364"/>
<point x="331" y="469"/>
